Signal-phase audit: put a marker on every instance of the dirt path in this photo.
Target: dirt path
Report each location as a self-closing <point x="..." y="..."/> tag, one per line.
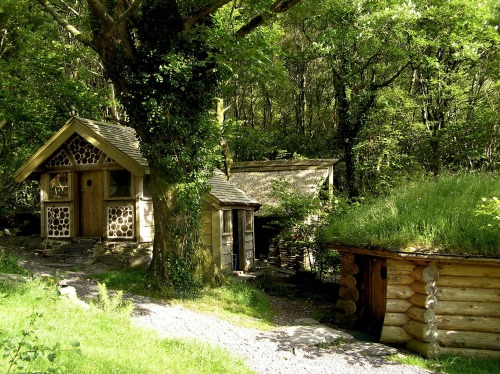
<point x="280" y="351"/>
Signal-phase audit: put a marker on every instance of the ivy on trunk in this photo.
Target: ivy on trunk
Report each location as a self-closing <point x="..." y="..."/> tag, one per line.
<point x="161" y="57"/>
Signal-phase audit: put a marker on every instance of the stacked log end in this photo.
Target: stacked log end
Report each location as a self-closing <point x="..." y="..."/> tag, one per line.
<point x="443" y="308"/>
<point x="345" y="308"/>
<point x="468" y="310"/>
<point x="397" y="303"/>
<point x="434" y="306"/>
<point x="411" y="299"/>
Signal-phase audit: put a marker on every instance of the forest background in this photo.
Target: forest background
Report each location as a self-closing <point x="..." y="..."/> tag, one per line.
<point x="394" y="90"/>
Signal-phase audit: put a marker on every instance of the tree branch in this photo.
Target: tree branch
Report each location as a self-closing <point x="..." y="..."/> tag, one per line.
<point x="279" y="6"/>
<point x="130" y="11"/>
<point x="77" y="34"/>
<point x="391" y="79"/>
<point x="100" y="11"/>
<point x="191" y="21"/>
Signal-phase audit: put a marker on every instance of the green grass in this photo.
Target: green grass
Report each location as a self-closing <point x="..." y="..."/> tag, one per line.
<point x="451" y="365"/>
<point x="437" y="215"/>
<point x="236" y="302"/>
<point x="125" y="280"/>
<point x="8" y="264"/>
<point x="108" y="341"/>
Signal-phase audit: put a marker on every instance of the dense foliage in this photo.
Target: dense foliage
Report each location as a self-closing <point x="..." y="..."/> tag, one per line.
<point x="46" y="77"/>
<point x="394" y="90"/>
<point x="425" y="216"/>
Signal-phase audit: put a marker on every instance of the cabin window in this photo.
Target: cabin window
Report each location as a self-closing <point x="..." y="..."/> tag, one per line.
<point x="227" y="215"/>
<point x="248" y="220"/>
<point x="58" y="186"/>
<point x="146" y="186"/>
<point x="119" y="183"/>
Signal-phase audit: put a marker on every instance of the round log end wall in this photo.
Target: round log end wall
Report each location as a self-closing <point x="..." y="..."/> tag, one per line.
<point x="452" y="308"/>
<point x="435" y="307"/>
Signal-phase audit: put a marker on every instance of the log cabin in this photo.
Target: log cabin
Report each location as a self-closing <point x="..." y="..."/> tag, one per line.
<point x="94" y="182"/>
<point x="432" y="304"/>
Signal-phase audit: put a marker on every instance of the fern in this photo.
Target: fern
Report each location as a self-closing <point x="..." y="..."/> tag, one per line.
<point x="113" y="303"/>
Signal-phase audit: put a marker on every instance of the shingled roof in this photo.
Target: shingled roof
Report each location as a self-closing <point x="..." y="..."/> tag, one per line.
<point x="122" y="144"/>
<point x="226" y="193"/>
<point x="305" y="176"/>
<point x="122" y="137"/>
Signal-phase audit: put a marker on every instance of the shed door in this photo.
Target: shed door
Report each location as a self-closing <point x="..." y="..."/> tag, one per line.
<point x="91" y="200"/>
<point x="377" y="293"/>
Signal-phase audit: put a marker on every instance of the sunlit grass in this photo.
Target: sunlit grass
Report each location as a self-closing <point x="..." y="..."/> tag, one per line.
<point x="236" y="302"/>
<point x="432" y="215"/>
<point x="451" y="365"/>
<point x="108" y="341"/>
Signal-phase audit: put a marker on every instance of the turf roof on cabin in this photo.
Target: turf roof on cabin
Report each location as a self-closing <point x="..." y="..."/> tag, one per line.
<point x="433" y="217"/>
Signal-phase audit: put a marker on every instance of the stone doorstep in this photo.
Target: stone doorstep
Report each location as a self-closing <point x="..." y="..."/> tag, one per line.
<point x="317" y="334"/>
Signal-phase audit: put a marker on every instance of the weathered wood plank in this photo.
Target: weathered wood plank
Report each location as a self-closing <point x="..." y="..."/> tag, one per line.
<point x="402" y="279"/>
<point x="399" y="292"/>
<point x="423" y="301"/>
<point x="424" y="349"/>
<point x="426" y="332"/>
<point x="399" y="266"/>
<point x="425" y="274"/>
<point x="395" y="319"/>
<point x="397" y="305"/>
<point x="487" y="295"/>
<point x="421" y="314"/>
<point x="424" y="288"/>
<point x="477" y="353"/>
<point x="473" y="282"/>
<point x="469" y="270"/>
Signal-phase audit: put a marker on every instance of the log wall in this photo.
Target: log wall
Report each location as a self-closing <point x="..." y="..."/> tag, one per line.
<point x="433" y="307"/>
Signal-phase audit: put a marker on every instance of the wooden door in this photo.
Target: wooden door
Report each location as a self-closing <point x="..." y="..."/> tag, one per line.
<point x="378" y="293"/>
<point x="91" y="203"/>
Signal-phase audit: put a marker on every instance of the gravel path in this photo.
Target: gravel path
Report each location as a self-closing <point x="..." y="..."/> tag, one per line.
<point x="264" y="352"/>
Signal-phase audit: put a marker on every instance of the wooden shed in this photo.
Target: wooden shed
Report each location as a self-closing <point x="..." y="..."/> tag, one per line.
<point x="94" y="182"/>
<point x="432" y="304"/>
<point x="309" y="177"/>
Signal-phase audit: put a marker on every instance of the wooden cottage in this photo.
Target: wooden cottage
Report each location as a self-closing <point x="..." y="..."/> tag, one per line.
<point x="94" y="182"/>
<point x="309" y="177"/>
<point x="432" y="304"/>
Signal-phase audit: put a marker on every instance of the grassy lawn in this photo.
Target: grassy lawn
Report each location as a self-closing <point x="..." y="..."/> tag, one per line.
<point x="107" y="340"/>
<point x="434" y="215"/>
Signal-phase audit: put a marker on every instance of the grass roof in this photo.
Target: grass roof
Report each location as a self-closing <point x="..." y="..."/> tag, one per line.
<point x="437" y="216"/>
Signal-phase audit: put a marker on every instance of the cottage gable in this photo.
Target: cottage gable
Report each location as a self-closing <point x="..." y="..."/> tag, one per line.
<point x="83" y="142"/>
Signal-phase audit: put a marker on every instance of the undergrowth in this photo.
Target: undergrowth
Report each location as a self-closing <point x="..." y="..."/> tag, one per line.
<point x="9" y="264"/>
